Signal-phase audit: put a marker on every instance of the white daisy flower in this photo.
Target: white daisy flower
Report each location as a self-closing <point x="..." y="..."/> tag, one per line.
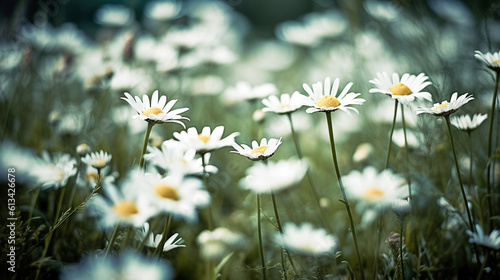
<point x="274" y="176"/>
<point x="114" y="15"/>
<point x="327" y="100"/>
<point x="492" y="60"/>
<point x="404" y="90"/>
<point x="176" y="157"/>
<point x="153" y="241"/>
<point x="216" y="244"/>
<point x="53" y="171"/>
<point x="175" y="194"/>
<point x="373" y="191"/>
<point x="466" y="123"/>
<point x="83" y="149"/>
<point x="244" y="91"/>
<point x="89" y="177"/>
<point x="97" y="159"/>
<point x="446" y="108"/>
<point x="258" y="152"/>
<point x="305" y="239"/>
<point x="158" y="111"/>
<point x="285" y="104"/>
<point x="126" y="265"/>
<point x="205" y="141"/>
<point x="163" y="10"/>
<point x="129" y="206"/>
<point x="491" y="241"/>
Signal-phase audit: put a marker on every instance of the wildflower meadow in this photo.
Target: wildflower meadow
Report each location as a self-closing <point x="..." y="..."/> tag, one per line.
<point x="204" y="139"/>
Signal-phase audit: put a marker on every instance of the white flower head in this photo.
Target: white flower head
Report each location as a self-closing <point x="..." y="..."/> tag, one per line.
<point x="466" y="123"/>
<point x="274" y="176"/>
<point x="446" y="108"/>
<point x="128" y="206"/>
<point x="97" y="159"/>
<point x="114" y="15"/>
<point x="158" y="111"/>
<point x="285" y="104"/>
<point x="175" y="194"/>
<point x="258" y="151"/>
<point x="323" y="97"/>
<point x="53" y="171"/>
<point x="218" y="243"/>
<point x="126" y="265"/>
<point x="492" y="60"/>
<point x="404" y="90"/>
<point x="163" y="10"/>
<point x="374" y="191"/>
<point x="244" y="91"/>
<point x="491" y="241"/>
<point x="153" y="240"/>
<point x="205" y="141"/>
<point x="176" y="157"/>
<point x="305" y="239"/>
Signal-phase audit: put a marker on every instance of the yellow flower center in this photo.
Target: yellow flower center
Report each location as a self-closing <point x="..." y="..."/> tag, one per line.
<point x="373" y="193"/>
<point x="400" y="89"/>
<point x="259" y="150"/>
<point x="168" y="192"/>
<point x="442" y="105"/>
<point x="327" y="101"/>
<point x="125" y="208"/>
<point x="152" y="110"/>
<point x="284" y="106"/>
<point x="92" y="175"/>
<point x="99" y="163"/>
<point x="203" y="138"/>
<point x="496" y="60"/>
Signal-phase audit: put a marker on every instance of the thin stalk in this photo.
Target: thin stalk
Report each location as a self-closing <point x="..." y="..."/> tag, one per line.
<point x="205" y="181"/>
<point x="401" y="251"/>
<point x="408" y="179"/>
<point x="308" y="174"/>
<point x="344" y="196"/>
<point x="275" y="206"/>
<point x="471" y="225"/>
<point x="112" y="240"/>
<point x="259" y="229"/>
<point x="471" y="180"/>
<point x="33" y="204"/>
<point x="377" y="246"/>
<point x="390" y="134"/>
<point x="482" y="267"/>
<point x="490" y="140"/>
<point x="126" y="240"/>
<point x="145" y="144"/>
<point x="166" y="229"/>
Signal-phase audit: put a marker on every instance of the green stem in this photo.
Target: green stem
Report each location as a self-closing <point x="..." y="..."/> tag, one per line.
<point x="447" y="118"/>
<point x="275" y="206"/>
<point x="128" y="235"/>
<point x="407" y="170"/>
<point x="391" y="133"/>
<point x="344" y="196"/>
<point x="145" y="144"/>
<point x="309" y="177"/>
<point x="490" y="140"/>
<point x="377" y="246"/>
<point x="33" y="204"/>
<point x="482" y="267"/>
<point x="166" y="229"/>
<point x="471" y="179"/>
<point x="205" y="182"/>
<point x="112" y="240"/>
<point x="401" y="250"/>
<point x="259" y="229"/>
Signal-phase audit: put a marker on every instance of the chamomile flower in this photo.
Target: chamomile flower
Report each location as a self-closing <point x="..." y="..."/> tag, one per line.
<point x="97" y="159"/>
<point x="274" y="176"/>
<point x="175" y="194"/>
<point x="53" y="171"/>
<point x="205" y="141"/>
<point x="258" y="152"/>
<point x="244" y="91"/>
<point x="374" y="191"/>
<point x="491" y="241"/>
<point x="285" y="104"/>
<point x="128" y="206"/>
<point x="446" y="108"/>
<point x="176" y="157"/>
<point x="466" y="123"/>
<point x="126" y="265"/>
<point x="216" y="244"/>
<point x="404" y="90"/>
<point x="305" y="239"/>
<point x="327" y="100"/>
<point x="492" y="60"/>
<point x="153" y="241"/>
<point x="156" y="111"/>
